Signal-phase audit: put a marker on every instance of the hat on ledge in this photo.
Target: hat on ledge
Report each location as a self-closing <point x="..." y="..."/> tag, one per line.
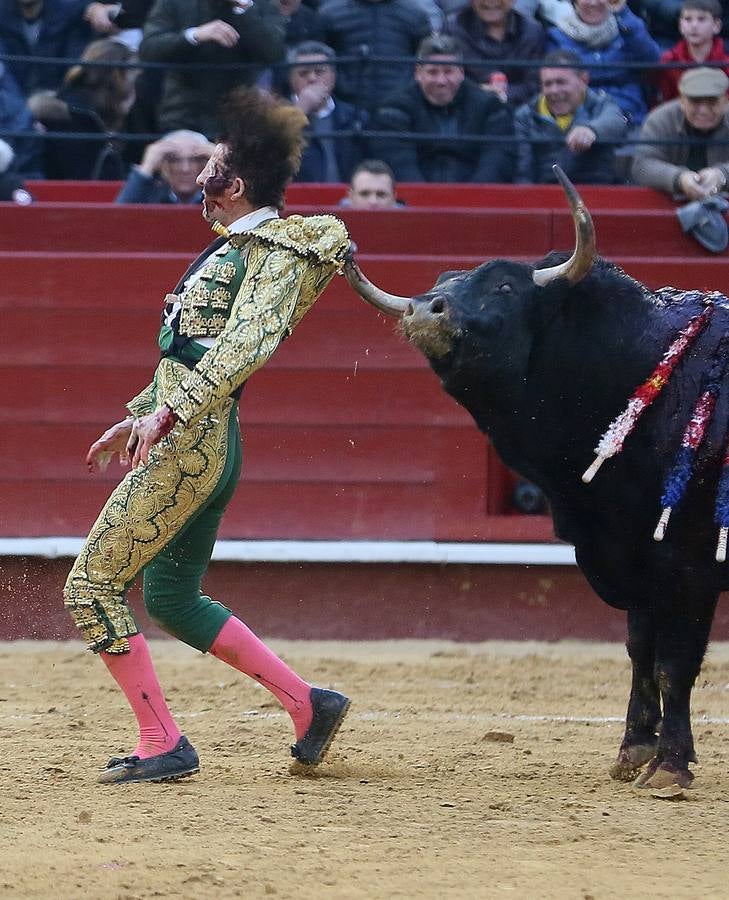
<point x="703" y="82"/>
<point x="704" y="221"/>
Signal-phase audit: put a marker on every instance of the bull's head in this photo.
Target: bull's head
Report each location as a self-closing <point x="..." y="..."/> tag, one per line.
<point x="431" y="321"/>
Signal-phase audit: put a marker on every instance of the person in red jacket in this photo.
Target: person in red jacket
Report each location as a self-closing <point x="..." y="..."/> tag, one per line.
<point x="700" y="24"/>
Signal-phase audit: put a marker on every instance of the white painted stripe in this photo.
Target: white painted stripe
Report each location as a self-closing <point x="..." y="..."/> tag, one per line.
<point x="381" y="716"/>
<point x="335" y="551"/>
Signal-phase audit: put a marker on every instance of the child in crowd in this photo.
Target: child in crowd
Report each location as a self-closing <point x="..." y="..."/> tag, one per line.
<point x="699" y="23"/>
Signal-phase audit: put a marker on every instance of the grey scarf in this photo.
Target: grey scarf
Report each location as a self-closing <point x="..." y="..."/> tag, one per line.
<point x="592" y="36"/>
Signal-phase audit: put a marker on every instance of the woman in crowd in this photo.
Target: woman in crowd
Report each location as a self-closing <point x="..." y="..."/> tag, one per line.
<point x="608" y="38"/>
<point x="94" y="99"/>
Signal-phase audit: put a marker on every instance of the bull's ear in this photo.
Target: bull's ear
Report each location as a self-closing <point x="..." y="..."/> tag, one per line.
<point x="454" y="273"/>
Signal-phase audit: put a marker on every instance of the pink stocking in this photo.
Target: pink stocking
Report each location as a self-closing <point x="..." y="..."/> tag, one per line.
<point x="239" y="647"/>
<point x="135" y="675"/>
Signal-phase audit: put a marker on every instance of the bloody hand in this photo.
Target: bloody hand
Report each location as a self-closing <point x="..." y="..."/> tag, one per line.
<point x="148" y="431"/>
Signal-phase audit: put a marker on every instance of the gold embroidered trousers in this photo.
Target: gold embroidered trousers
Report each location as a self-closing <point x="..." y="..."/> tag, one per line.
<point x="162" y="516"/>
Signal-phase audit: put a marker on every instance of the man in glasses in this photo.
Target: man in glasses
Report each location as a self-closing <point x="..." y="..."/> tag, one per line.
<point x="168" y="170"/>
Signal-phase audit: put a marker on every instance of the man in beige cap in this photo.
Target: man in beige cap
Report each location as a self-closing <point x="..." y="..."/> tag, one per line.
<point x="697" y="166"/>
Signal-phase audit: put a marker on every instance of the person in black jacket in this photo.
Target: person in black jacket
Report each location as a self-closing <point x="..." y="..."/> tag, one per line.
<point x="45" y="29"/>
<point x="371" y="30"/>
<point x="214" y="34"/>
<point x="441" y="104"/>
<point x="312" y="78"/>
<point x="490" y="30"/>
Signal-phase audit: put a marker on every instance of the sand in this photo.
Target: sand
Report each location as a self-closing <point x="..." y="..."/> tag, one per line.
<point x="463" y="771"/>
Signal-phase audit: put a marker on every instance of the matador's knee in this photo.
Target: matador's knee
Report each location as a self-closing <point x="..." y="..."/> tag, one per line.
<point x="100" y="614"/>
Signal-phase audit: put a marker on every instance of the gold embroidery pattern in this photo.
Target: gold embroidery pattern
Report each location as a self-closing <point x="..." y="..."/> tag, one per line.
<point x="143" y="403"/>
<point x="323" y="237"/>
<point x="279" y="288"/>
<point x="222" y="273"/>
<point x="144" y="512"/>
<point x="206" y="305"/>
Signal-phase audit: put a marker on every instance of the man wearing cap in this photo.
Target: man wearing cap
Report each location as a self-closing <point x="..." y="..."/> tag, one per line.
<point x="697" y="166"/>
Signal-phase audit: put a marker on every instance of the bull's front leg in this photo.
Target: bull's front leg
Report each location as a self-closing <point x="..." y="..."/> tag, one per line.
<point x="644" y="710"/>
<point x="681" y="639"/>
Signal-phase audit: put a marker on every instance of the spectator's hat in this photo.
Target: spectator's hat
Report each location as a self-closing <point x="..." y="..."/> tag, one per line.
<point x="704" y="220"/>
<point x="703" y="82"/>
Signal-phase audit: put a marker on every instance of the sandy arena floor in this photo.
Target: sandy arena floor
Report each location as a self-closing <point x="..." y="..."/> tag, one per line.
<point x="462" y="771"/>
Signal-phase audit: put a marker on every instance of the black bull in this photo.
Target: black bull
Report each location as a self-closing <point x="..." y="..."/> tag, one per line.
<point x="544" y="357"/>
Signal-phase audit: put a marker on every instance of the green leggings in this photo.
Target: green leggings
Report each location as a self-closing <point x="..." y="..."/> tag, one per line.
<point x="173" y="578"/>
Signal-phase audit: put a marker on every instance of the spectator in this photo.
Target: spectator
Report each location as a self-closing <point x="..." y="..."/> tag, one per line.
<point x="312" y="81"/>
<point x="44" y="29"/>
<point x="575" y="119"/>
<point x="661" y="19"/>
<point x="372" y="186"/>
<point x="698" y="166"/>
<point x="110" y="17"/>
<point x="123" y="21"/>
<point x="372" y="28"/>
<point x="547" y="11"/>
<point x="700" y="25"/>
<point x="168" y="170"/>
<point x="302" y="22"/>
<point x="213" y="33"/>
<point x="94" y="100"/>
<point x="15" y="116"/>
<point x="12" y="185"/>
<point x="607" y="33"/>
<point x="493" y="31"/>
<point x="441" y="101"/>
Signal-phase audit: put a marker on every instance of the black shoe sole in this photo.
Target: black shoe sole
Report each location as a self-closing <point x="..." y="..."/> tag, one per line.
<point x="165" y="779"/>
<point x="332" y="734"/>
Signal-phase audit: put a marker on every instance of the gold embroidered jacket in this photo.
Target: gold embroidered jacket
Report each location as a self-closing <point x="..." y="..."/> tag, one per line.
<point x="288" y="264"/>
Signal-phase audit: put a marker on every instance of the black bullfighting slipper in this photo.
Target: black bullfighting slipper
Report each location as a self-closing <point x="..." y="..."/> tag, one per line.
<point x="330" y="708"/>
<point x="178" y="763"/>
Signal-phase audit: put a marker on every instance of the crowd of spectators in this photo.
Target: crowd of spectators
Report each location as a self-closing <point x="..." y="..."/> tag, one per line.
<point x="433" y="90"/>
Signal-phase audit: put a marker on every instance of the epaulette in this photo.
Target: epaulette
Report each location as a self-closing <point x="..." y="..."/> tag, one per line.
<point x="324" y="237"/>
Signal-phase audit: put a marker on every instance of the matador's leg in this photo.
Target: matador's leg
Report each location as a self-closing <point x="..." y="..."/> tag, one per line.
<point x="143" y="514"/>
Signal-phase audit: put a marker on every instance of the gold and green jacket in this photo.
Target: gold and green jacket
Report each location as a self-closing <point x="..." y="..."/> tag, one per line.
<point x="251" y="293"/>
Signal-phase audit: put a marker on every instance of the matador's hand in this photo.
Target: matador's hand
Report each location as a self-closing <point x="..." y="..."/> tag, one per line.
<point x="113" y="440"/>
<point x="148" y="431"/>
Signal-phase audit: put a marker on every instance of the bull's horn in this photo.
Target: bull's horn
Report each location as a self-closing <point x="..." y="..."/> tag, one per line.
<point x="580" y="263"/>
<point x="386" y="303"/>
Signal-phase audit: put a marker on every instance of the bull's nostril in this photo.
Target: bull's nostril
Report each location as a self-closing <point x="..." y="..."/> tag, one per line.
<point x="437" y="306"/>
<point x="409" y="310"/>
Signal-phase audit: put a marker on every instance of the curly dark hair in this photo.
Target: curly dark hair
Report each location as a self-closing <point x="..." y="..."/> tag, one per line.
<point x="265" y="139"/>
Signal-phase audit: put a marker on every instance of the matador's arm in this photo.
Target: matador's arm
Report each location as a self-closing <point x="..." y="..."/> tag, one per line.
<point x="144" y="402"/>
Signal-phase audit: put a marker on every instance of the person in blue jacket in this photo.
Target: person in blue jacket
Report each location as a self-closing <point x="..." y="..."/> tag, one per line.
<point x="608" y="38"/>
<point x="168" y="170"/>
<point x="17" y="127"/>
<point x="45" y="29"/>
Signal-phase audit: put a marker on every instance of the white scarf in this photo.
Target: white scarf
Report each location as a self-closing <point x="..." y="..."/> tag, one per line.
<point x="592" y="36"/>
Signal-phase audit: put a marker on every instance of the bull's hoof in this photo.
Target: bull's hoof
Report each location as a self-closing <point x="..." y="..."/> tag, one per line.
<point x="631" y="760"/>
<point x="664" y="780"/>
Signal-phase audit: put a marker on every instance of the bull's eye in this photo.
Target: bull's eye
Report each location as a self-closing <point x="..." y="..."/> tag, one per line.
<point x="505" y="287"/>
<point x="437" y="305"/>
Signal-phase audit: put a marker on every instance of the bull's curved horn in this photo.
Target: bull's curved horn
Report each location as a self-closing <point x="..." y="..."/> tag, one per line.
<point x="386" y="303"/>
<point x="580" y="263"/>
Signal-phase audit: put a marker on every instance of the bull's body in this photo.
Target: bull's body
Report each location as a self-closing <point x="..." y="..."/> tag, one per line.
<point x="543" y="370"/>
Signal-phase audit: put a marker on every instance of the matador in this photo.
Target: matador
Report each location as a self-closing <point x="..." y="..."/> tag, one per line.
<point x="231" y="310"/>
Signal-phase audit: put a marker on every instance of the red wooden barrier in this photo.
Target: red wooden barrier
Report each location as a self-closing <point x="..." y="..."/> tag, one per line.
<point x="500" y="196"/>
<point x="348" y="433"/>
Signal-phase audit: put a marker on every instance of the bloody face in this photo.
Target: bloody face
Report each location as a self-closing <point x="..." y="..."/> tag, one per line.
<point x="214" y="179"/>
